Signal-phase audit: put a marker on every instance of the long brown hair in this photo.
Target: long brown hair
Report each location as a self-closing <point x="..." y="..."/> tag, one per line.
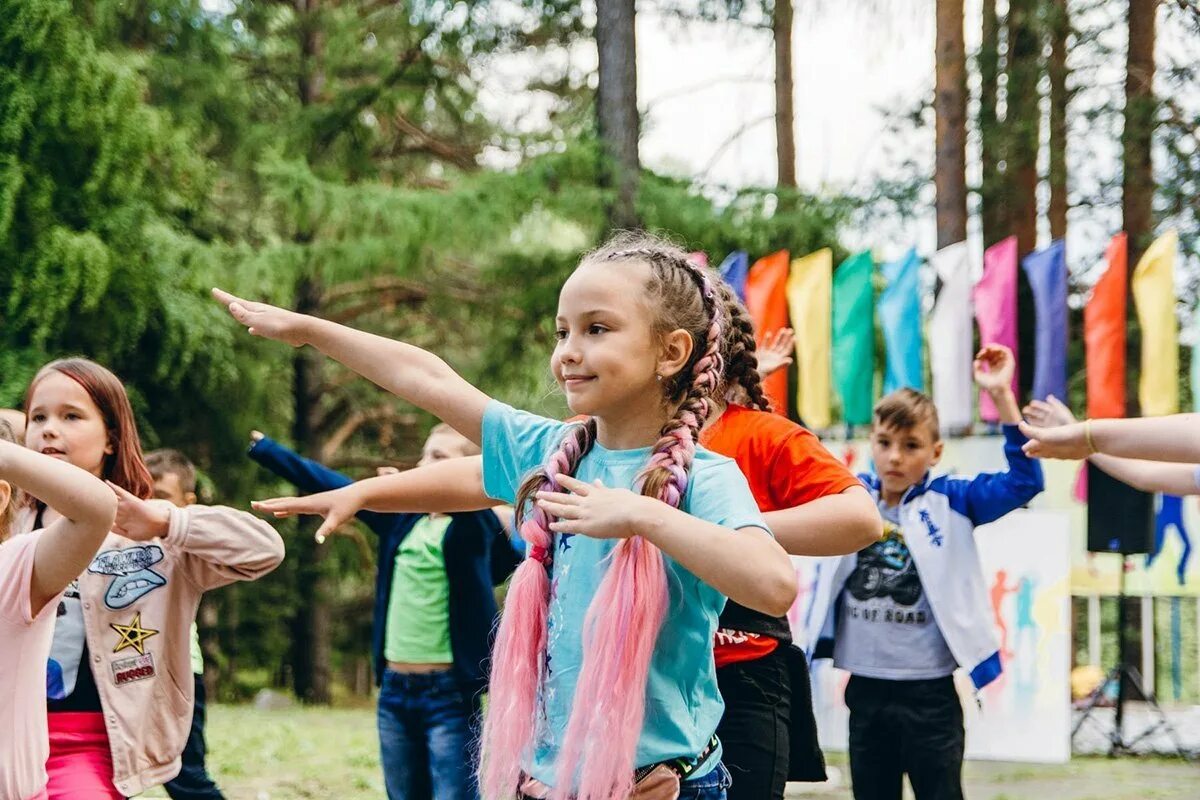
<point x="125" y="466"/>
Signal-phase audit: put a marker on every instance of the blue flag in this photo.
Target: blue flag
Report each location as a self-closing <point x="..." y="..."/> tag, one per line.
<point x="1047" y="273"/>
<point x="734" y="270"/>
<point x="900" y="318"/>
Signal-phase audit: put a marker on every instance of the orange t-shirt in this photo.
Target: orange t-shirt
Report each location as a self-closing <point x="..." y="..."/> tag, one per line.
<point x="786" y="466"/>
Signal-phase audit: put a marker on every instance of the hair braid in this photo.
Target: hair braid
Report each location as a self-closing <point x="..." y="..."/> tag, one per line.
<point x="519" y="652"/>
<point x="741" y="358"/>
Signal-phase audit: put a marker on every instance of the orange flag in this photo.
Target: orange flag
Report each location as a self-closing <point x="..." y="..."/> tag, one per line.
<point x="766" y="299"/>
<point x="1104" y="334"/>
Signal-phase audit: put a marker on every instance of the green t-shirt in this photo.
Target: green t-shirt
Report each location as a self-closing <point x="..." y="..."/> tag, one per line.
<point x="418" y="618"/>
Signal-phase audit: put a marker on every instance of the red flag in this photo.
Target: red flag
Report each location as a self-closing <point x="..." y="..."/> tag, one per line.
<point x="1104" y="334"/>
<point x="766" y="299"/>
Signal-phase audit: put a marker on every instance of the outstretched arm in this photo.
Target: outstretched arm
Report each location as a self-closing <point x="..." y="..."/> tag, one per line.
<point x="1149" y="476"/>
<point x="410" y="373"/>
<point x="455" y="484"/>
<point x="833" y="525"/>
<point x="87" y="507"/>
<point x="1174" y="439"/>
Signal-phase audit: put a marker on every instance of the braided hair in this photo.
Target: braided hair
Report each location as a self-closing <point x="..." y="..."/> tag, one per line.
<point x="630" y="604"/>
<point x="740" y="347"/>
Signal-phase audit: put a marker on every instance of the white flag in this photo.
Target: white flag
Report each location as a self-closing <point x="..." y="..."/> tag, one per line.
<point x="951" y="339"/>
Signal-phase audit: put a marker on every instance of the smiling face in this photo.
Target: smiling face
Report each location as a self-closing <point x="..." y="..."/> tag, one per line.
<point x="64" y="423"/>
<point x="607" y="354"/>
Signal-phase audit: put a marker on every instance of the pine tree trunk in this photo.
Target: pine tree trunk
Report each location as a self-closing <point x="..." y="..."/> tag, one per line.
<point x="950" y="107"/>
<point x="1137" y="186"/>
<point x="785" y="114"/>
<point x="1060" y="26"/>
<point x="1022" y="120"/>
<point x="616" y="106"/>
<point x="311" y="647"/>
<point x="991" y="189"/>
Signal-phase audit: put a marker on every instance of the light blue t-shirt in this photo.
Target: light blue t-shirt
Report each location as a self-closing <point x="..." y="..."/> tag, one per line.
<point x="683" y="705"/>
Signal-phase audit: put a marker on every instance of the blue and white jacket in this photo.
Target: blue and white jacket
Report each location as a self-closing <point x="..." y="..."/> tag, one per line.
<point x="937" y="518"/>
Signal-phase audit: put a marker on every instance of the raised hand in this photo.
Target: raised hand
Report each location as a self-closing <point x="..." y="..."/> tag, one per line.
<point x="994" y="366"/>
<point x="337" y="507"/>
<point x="267" y="321"/>
<point x="138" y="519"/>
<point x="775" y="352"/>
<point x="593" y="509"/>
<point x="1048" y="413"/>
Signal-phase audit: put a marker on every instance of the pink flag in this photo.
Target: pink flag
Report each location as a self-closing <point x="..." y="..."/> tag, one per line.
<point x="996" y="308"/>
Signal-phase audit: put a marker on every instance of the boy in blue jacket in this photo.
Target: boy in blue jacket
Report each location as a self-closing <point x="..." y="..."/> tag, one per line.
<point x="434" y="612"/>
<point x="912" y="607"/>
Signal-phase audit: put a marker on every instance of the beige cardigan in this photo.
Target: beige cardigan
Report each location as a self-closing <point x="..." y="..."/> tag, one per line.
<point x="139" y="601"/>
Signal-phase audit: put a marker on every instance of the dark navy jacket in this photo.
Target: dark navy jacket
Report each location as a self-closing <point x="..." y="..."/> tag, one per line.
<point x="478" y="557"/>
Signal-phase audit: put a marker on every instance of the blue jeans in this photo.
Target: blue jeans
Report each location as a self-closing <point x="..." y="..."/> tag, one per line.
<point x="711" y="787"/>
<point x="428" y="728"/>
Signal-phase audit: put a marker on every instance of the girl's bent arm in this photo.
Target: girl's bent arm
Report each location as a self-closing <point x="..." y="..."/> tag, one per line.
<point x="87" y="507"/>
<point x="834" y="525"/>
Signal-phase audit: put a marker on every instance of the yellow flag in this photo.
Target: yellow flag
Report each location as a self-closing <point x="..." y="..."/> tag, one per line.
<point x="810" y="299"/>
<point x="1154" y="296"/>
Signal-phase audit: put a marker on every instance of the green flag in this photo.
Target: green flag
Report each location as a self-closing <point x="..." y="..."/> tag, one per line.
<point x="854" y="337"/>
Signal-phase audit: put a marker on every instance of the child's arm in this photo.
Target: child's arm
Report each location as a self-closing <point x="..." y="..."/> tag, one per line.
<point x="1173" y="439"/>
<point x="216" y="545"/>
<point x="747" y="565"/>
<point x="989" y="496"/>
<point x="1149" y="476"/>
<point x="310" y="476"/>
<point x="410" y="373"/>
<point x="834" y="525"/>
<point x="455" y="484"/>
<point x="69" y="544"/>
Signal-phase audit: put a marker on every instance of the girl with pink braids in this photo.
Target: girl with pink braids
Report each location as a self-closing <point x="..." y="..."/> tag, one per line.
<point x="603" y="685"/>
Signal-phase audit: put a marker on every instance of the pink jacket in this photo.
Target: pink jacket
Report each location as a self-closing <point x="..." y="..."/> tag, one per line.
<point x="139" y="600"/>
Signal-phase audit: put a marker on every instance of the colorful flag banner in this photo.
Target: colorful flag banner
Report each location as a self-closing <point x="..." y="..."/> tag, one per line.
<point x="809" y="294"/>
<point x="766" y="298"/>
<point x="900" y="318"/>
<point x="1154" y="298"/>
<point x="854" y="337"/>
<point x="996" y="308"/>
<point x="735" y="271"/>
<point x="1047" y="273"/>
<point x="951" y="339"/>
<point x="1104" y="318"/>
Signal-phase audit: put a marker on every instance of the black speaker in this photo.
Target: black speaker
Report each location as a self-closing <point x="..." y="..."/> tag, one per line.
<point x="1120" y="518"/>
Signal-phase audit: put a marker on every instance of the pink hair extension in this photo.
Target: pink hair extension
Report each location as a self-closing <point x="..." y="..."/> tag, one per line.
<point x="519" y="652"/>
<point x="630" y="605"/>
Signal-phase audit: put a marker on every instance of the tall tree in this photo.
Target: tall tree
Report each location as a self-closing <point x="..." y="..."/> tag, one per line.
<point x="785" y="94"/>
<point x="1022" y="119"/>
<point x="616" y="105"/>
<point x="1059" y="27"/>
<point x="950" y="108"/>
<point x="1137" y="183"/>
<point x="993" y="211"/>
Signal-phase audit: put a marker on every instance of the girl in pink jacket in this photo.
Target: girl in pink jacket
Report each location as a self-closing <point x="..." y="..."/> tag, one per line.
<point x="119" y="680"/>
<point x="34" y="570"/>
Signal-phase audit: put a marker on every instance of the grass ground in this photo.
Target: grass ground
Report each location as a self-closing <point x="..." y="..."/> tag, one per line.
<point x="302" y="753"/>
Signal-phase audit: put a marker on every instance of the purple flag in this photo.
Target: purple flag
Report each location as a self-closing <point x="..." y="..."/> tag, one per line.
<point x="1047" y="273"/>
<point x="996" y="308"/>
<point x="734" y="270"/>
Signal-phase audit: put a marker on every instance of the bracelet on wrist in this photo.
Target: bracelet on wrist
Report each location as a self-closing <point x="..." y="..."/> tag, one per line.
<point x="1087" y="435"/>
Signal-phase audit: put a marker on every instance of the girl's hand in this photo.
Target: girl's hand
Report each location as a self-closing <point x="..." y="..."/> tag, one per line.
<point x="593" y="509"/>
<point x="267" y="321"/>
<point x="138" y="519"/>
<point x="337" y="507"/>
<point x="776" y="351"/>
<point x="1063" y="441"/>
<point x="1049" y="413"/>
<point x="994" y="367"/>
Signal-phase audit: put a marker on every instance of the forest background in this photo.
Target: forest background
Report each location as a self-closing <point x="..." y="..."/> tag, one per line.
<point x="362" y="161"/>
